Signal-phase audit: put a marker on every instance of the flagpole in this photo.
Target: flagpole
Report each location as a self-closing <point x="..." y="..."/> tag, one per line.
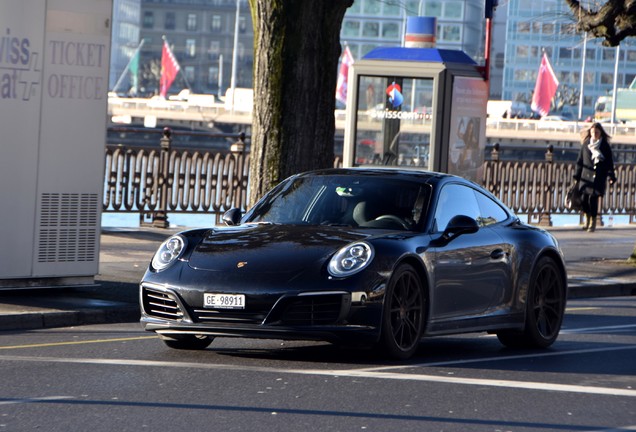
<point x="582" y="76"/>
<point x="121" y="77"/>
<point x="618" y="51"/>
<point x="235" y="51"/>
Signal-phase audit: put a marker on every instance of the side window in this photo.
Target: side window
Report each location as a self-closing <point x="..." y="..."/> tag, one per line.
<point x="455" y="199"/>
<point x="490" y="211"/>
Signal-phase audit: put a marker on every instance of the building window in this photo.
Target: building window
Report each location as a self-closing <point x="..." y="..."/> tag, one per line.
<point x="548" y="28"/>
<point x="568" y="29"/>
<point x="189" y="73"/>
<point x="523" y="27"/>
<point x="351" y="29"/>
<point x="149" y="20"/>
<point x="170" y="22"/>
<point x="371" y="29"/>
<point x="191" y="47"/>
<point x="215" y="24"/>
<point x="242" y="24"/>
<point x="433" y="8"/>
<point x="191" y="24"/>
<point x="522" y="51"/>
<point x="213" y="75"/>
<point x="607" y="78"/>
<point x="390" y="31"/>
<point x="453" y="9"/>
<point x="392" y="8"/>
<point x="523" y="75"/>
<point x="371" y="7"/>
<point x="215" y="49"/>
<point x="565" y="53"/>
<point x="451" y="33"/>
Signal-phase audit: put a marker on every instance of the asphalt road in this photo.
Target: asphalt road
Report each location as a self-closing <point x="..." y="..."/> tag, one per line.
<point x="117" y="378"/>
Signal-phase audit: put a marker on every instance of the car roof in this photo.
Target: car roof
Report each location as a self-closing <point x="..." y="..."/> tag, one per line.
<point x="418" y="174"/>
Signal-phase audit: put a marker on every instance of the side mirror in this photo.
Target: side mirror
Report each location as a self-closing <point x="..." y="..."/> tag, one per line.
<point x="232" y="217"/>
<point x="459" y="225"/>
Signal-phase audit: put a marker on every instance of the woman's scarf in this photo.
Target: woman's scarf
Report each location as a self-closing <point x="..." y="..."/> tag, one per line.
<point x="595" y="148"/>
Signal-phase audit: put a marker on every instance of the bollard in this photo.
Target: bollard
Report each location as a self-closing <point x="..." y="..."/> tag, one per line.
<point x="239" y="146"/>
<point x="494" y="153"/>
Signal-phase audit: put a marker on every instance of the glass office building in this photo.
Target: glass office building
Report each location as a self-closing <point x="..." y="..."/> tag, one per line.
<point x="549" y="25"/>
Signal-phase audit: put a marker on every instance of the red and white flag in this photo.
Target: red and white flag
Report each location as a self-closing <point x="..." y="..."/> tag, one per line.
<point x="343" y="74"/>
<point x="169" y="69"/>
<point x="545" y="88"/>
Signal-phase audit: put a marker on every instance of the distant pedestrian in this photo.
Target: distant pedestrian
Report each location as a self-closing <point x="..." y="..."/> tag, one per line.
<point x="594" y="166"/>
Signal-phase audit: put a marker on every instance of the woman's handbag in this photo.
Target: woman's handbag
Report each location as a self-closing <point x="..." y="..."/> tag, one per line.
<point x="573" y="198"/>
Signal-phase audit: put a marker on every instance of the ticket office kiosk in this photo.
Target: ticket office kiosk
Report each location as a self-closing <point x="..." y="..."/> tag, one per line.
<point x="416" y="107"/>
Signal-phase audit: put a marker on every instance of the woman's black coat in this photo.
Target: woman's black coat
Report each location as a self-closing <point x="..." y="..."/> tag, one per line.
<point x="591" y="178"/>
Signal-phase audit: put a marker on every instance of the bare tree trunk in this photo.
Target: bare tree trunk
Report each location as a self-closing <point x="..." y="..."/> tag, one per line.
<point x="297" y="47"/>
<point x="613" y="20"/>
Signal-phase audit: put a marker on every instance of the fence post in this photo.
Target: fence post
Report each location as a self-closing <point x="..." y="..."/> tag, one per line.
<point x="159" y="217"/>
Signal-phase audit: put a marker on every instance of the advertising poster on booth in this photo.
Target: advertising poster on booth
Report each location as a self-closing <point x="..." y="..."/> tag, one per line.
<point x="468" y="128"/>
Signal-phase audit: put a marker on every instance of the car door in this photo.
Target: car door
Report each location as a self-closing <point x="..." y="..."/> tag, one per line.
<point x="471" y="271"/>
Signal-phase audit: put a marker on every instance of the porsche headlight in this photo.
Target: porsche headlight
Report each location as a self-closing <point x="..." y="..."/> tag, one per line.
<point x="168" y="252"/>
<point x="351" y="259"/>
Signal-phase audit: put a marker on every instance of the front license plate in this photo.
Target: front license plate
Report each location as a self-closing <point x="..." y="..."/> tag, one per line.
<point x="223" y="301"/>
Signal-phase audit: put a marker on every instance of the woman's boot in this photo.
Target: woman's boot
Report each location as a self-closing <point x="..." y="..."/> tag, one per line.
<point x="587" y="223"/>
<point x="592" y="227"/>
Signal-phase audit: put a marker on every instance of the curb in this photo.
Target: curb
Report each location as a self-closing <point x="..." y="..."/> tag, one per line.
<point x="579" y="289"/>
<point x="55" y="318"/>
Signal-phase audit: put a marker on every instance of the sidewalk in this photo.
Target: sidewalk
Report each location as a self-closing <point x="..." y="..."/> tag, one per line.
<point x="596" y="262"/>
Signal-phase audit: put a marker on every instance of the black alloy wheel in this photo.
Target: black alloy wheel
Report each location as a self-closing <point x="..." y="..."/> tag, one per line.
<point x="545" y="309"/>
<point x="404" y="313"/>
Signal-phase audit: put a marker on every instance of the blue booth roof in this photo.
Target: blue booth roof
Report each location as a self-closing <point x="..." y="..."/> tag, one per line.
<point x="434" y="55"/>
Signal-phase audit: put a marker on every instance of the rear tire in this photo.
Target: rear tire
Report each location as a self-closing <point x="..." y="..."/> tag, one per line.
<point x="404" y="313"/>
<point x="545" y="308"/>
<point x="187" y="342"/>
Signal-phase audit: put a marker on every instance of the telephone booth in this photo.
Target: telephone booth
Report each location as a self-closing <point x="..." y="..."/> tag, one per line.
<point x="416" y="107"/>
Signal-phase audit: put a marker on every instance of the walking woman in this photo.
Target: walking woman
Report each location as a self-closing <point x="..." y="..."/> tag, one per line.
<point x="594" y="166"/>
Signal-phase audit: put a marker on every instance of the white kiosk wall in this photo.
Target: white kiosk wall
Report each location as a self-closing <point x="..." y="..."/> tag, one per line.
<point x="54" y="57"/>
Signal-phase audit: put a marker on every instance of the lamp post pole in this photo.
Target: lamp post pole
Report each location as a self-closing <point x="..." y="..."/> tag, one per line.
<point x="235" y="51"/>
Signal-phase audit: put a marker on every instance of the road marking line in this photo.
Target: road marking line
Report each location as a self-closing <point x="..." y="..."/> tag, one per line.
<point x="31" y="400"/>
<point x="359" y="373"/>
<point x="51" y="344"/>
<point x="504" y="358"/>
<point x="598" y="329"/>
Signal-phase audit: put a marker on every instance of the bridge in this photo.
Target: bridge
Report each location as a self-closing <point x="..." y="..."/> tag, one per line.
<point x="214" y="117"/>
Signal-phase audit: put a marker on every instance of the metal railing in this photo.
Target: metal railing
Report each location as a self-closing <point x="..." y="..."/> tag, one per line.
<point x="154" y="183"/>
<point x="538" y="188"/>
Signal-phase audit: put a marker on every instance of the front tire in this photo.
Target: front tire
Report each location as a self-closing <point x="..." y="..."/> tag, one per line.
<point x="404" y="313"/>
<point x="187" y="342"/>
<point x="545" y="308"/>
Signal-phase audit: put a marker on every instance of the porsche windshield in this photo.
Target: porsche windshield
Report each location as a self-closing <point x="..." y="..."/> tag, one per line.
<point x="366" y="201"/>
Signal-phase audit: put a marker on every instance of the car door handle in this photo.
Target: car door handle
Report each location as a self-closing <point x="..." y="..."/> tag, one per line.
<point x="498" y="254"/>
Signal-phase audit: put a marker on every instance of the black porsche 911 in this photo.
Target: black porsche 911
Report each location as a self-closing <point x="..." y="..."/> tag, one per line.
<point x="360" y="257"/>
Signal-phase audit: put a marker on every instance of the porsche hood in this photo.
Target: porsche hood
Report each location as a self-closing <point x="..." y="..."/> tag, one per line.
<point x="267" y="248"/>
